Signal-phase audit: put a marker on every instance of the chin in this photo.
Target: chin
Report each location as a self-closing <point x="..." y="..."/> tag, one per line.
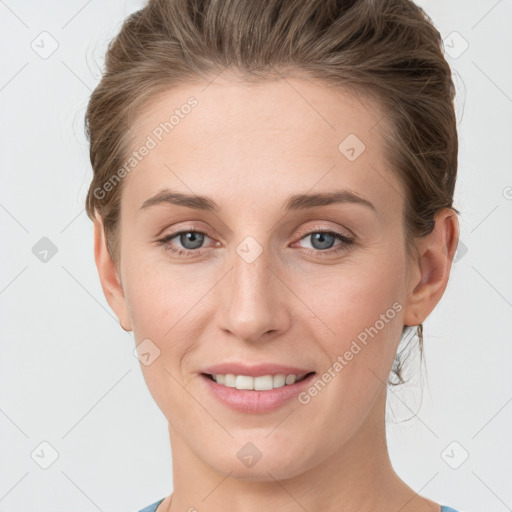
<point x="261" y="472"/>
<point x="266" y="464"/>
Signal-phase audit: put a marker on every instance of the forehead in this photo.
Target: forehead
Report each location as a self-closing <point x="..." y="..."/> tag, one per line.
<point x="238" y="138"/>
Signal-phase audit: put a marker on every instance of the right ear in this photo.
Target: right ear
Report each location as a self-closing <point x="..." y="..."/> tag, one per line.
<point x="109" y="276"/>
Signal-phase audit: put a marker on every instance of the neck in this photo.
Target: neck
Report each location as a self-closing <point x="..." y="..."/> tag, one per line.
<point x="358" y="477"/>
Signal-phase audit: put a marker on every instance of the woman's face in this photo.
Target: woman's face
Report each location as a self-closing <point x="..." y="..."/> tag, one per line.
<point x="265" y="284"/>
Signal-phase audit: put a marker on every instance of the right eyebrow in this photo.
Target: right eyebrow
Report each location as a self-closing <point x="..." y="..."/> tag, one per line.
<point x="178" y="198"/>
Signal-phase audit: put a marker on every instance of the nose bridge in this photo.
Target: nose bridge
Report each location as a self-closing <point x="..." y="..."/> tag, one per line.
<point x="252" y="303"/>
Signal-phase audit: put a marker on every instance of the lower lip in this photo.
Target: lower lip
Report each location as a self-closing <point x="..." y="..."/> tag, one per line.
<point x="250" y="401"/>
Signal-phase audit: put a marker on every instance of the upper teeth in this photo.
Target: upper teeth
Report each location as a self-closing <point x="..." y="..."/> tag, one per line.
<point x="265" y="382"/>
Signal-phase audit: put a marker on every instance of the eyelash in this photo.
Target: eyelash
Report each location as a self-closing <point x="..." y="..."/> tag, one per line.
<point x="345" y="245"/>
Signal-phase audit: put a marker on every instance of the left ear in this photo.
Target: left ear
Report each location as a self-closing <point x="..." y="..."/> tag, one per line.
<point x="429" y="273"/>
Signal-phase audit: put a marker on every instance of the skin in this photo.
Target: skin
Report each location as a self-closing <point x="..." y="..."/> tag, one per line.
<point x="249" y="147"/>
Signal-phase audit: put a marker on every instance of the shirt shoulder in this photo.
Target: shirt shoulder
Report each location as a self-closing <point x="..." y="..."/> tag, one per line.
<point x="152" y="507"/>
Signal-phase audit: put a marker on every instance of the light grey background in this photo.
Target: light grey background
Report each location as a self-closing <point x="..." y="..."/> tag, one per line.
<point x="68" y="376"/>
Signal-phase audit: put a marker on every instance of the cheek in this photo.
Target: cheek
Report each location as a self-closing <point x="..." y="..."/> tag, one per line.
<point x="354" y="298"/>
<point x="158" y="294"/>
<point x="358" y="314"/>
<point x="164" y="322"/>
<point x="362" y="309"/>
<point x="165" y="307"/>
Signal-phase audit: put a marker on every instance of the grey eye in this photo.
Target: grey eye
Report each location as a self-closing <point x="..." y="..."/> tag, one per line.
<point x="191" y="239"/>
<point x="322" y="240"/>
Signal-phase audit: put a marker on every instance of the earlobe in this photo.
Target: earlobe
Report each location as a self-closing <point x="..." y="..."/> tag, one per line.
<point x="429" y="277"/>
<point x="109" y="276"/>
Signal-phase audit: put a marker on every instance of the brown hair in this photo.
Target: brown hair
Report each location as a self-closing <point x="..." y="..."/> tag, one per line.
<point x="385" y="49"/>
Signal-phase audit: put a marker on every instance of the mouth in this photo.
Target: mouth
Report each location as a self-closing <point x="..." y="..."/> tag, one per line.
<point x="258" y="394"/>
<point x="260" y="383"/>
<point x="255" y="388"/>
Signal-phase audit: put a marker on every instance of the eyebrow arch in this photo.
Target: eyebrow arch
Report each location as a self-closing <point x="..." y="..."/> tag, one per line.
<point x="303" y="201"/>
<point x="294" y="202"/>
<point x="179" y="198"/>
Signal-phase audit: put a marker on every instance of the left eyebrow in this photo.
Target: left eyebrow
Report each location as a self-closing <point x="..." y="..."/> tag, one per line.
<point x="294" y="202"/>
<point x="304" y="201"/>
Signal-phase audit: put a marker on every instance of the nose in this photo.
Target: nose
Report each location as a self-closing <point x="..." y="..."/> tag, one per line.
<point x="254" y="302"/>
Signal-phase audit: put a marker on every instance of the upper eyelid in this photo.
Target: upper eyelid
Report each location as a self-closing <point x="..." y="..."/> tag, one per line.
<point x="305" y="231"/>
<point x="317" y="227"/>
<point x="302" y="234"/>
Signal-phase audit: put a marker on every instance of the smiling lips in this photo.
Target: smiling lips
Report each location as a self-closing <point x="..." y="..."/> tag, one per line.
<point x="261" y="383"/>
<point x="258" y="388"/>
<point x="256" y="377"/>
